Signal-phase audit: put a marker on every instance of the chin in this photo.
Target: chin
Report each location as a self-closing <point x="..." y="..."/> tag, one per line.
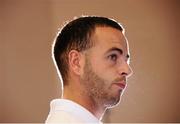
<point x="114" y="101"/>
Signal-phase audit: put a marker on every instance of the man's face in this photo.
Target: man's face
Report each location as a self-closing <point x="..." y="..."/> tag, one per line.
<point x="106" y="66"/>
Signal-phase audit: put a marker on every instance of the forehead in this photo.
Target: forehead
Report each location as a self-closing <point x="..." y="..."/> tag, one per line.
<point x="107" y="37"/>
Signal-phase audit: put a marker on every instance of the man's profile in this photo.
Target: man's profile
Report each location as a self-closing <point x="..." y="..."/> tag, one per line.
<point x="91" y="54"/>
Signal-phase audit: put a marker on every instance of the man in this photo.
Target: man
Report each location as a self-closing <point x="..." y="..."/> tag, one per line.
<point x="91" y="53"/>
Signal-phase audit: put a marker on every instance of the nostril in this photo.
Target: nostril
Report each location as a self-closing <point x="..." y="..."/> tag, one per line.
<point x="124" y="73"/>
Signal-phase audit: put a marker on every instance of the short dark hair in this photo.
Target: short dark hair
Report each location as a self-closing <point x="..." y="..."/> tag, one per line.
<point x="76" y="35"/>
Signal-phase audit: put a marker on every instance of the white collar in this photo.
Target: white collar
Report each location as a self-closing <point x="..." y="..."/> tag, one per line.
<point x="70" y="106"/>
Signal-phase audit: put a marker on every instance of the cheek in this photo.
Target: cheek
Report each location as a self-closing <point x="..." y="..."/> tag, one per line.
<point x="103" y="71"/>
<point x="98" y="64"/>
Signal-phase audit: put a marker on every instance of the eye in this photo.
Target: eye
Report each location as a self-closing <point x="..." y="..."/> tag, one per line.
<point x="113" y="57"/>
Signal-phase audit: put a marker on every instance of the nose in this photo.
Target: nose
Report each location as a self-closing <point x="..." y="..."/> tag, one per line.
<point x="125" y="70"/>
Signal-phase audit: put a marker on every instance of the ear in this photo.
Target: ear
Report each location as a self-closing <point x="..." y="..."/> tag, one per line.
<point x="75" y="61"/>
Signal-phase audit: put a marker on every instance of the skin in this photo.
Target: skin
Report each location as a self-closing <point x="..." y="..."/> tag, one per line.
<point x="95" y="73"/>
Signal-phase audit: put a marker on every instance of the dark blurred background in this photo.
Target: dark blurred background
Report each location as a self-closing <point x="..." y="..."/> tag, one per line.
<point x="28" y="79"/>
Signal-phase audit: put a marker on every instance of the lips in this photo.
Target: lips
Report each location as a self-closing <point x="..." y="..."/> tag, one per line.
<point x="121" y="85"/>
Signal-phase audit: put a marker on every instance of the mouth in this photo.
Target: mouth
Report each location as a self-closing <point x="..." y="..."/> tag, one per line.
<point x="121" y="84"/>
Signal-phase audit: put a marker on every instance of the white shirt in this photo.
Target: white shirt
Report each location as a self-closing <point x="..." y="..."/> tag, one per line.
<point x="66" y="111"/>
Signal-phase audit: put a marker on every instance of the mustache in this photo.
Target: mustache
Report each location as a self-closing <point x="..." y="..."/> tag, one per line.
<point x="119" y="79"/>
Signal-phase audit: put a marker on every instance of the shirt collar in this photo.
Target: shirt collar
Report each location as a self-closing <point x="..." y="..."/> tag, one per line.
<point x="70" y="106"/>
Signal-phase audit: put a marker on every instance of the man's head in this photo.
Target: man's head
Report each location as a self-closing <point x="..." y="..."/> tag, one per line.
<point x="96" y="50"/>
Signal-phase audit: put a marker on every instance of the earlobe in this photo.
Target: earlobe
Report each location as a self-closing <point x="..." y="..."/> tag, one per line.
<point x="74" y="61"/>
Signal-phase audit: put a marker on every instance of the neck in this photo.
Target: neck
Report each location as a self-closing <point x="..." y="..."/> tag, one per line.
<point x="84" y="100"/>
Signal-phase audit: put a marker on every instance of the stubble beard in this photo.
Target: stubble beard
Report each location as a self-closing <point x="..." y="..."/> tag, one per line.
<point x="97" y="88"/>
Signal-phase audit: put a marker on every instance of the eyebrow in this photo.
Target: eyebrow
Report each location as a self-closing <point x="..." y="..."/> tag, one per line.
<point x="118" y="50"/>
